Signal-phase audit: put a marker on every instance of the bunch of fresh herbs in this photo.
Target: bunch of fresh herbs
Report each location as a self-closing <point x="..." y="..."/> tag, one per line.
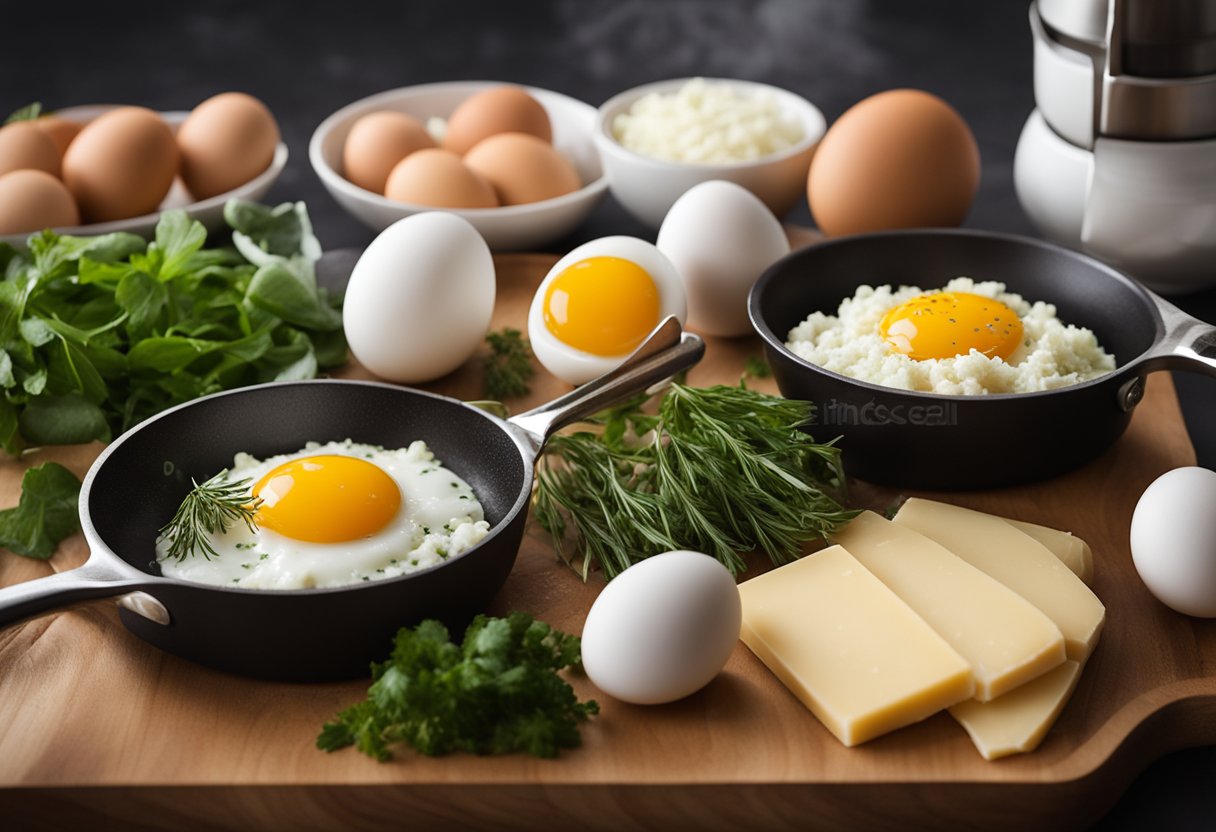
<point x="721" y="470"/>
<point x="497" y="692"/>
<point x="45" y="515"/>
<point x="508" y="367"/>
<point x="99" y="333"/>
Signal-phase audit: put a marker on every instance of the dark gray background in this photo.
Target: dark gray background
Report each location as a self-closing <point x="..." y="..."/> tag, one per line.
<point x="306" y="62"/>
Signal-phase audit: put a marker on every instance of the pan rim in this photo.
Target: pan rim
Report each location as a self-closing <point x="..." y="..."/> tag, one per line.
<point x="98" y="546"/>
<point x="770" y="339"/>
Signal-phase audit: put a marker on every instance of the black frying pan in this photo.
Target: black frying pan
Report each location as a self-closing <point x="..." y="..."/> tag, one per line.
<point x="925" y="440"/>
<point x="311" y="635"/>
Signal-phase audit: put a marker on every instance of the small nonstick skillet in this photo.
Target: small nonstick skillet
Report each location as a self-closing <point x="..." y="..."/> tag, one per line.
<point x="924" y="440"/>
<point x="319" y="634"/>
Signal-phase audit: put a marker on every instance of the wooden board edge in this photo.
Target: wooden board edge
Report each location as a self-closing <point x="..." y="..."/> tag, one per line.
<point x="891" y="806"/>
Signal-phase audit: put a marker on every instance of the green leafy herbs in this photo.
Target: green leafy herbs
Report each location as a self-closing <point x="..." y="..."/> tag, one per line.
<point x="756" y="367"/>
<point x="721" y="470"/>
<point x="27" y="113"/>
<point x="45" y="515"/>
<point x="509" y="365"/>
<point x="497" y="692"/>
<point x="99" y="333"/>
<point x="210" y="508"/>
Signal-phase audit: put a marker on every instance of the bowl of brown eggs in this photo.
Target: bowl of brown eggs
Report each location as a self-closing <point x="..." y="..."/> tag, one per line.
<point x="517" y="162"/>
<point x="103" y="168"/>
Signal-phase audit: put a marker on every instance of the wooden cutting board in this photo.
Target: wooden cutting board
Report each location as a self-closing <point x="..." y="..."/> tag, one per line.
<point x="95" y="723"/>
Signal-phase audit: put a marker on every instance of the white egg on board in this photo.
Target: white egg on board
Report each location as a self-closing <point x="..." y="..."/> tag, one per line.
<point x="721" y="238"/>
<point x="1173" y="539"/>
<point x="420" y="298"/>
<point x="598" y="303"/>
<point x="662" y="629"/>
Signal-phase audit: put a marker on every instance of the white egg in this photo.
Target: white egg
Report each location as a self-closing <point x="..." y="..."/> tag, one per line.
<point x="1173" y="540"/>
<point x="603" y="315"/>
<point x="721" y="238"/>
<point x="438" y="518"/>
<point x="419" y="300"/>
<point x="662" y="629"/>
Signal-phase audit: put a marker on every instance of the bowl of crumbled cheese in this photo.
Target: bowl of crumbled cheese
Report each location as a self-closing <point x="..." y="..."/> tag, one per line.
<point x="658" y="140"/>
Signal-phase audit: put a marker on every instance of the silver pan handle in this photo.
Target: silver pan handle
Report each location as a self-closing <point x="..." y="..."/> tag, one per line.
<point x="1188" y="343"/>
<point x="667" y="351"/>
<point x="92" y="580"/>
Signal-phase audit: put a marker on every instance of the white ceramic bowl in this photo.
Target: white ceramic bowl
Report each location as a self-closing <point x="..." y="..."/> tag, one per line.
<point x="508" y="227"/>
<point x="210" y="212"/>
<point x="647" y="187"/>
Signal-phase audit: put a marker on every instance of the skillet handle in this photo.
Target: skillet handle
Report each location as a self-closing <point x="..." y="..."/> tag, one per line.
<point x="92" y="580"/>
<point x="1188" y="344"/>
<point x="666" y="351"/>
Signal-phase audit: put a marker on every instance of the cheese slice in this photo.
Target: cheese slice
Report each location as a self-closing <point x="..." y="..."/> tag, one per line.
<point x="1072" y="551"/>
<point x="1019" y="562"/>
<point x="842" y="642"/>
<point x="1018" y="721"/>
<point x="1007" y="640"/>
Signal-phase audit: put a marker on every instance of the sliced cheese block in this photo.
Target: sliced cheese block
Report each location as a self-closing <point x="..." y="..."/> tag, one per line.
<point x="1072" y="551"/>
<point x="1019" y="562"/>
<point x="1007" y="640"/>
<point x="1018" y="721"/>
<point x="848" y="648"/>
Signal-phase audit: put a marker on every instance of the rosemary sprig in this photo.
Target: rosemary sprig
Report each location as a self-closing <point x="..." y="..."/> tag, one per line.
<point x="722" y="470"/>
<point x="209" y="508"/>
<point x="509" y="365"/>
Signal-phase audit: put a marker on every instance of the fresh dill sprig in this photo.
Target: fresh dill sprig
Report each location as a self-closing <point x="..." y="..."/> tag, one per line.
<point x="209" y="508"/>
<point x="721" y="470"/>
<point x="509" y="365"/>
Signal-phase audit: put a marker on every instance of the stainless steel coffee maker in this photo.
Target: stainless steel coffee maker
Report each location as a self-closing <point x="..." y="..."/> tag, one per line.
<point x="1119" y="157"/>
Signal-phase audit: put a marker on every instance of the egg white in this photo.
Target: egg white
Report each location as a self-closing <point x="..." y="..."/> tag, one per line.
<point x="439" y="518"/>
<point x="573" y="365"/>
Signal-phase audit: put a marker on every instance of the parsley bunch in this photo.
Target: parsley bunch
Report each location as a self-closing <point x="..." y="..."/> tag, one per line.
<point x="497" y="692"/>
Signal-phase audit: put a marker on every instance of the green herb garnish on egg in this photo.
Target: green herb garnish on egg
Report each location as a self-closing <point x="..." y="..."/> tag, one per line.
<point x="210" y="508"/>
<point x="721" y="470"/>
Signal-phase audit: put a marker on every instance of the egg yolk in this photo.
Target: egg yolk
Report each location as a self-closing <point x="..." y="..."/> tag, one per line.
<point x="946" y="324"/>
<point x="602" y="305"/>
<point x="326" y="499"/>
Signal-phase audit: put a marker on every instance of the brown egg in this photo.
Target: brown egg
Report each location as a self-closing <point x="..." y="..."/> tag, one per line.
<point x="899" y="159"/>
<point x="439" y="179"/>
<point x="225" y="141"/>
<point x="31" y="200"/>
<point x="505" y="109"/>
<point x="24" y="147"/>
<point x="522" y="168"/>
<point x="60" y="130"/>
<point x="377" y="142"/>
<point x="121" y="164"/>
